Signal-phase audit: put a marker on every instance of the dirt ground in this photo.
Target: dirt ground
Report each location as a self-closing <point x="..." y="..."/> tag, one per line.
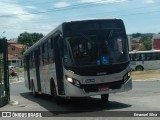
<point x="146" y="75"/>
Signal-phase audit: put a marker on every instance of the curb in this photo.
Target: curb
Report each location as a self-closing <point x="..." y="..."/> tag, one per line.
<point x="146" y="80"/>
<point x="13" y="103"/>
<point x="17" y="82"/>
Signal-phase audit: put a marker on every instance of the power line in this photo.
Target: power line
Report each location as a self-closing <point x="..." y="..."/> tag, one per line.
<point x="95" y="13"/>
<point x="30" y="3"/>
<point x="100" y="13"/>
<point x="131" y="14"/>
<point x="57" y="9"/>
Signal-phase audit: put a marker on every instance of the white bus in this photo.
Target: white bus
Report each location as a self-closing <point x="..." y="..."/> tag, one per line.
<point x="78" y="59"/>
<point x="145" y="60"/>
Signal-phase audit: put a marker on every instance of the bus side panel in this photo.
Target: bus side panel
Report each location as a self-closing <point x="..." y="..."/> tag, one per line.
<point x="46" y="79"/>
<point x="52" y="75"/>
<point x="37" y="63"/>
<point x="33" y="78"/>
<point x="50" y="72"/>
<point x="42" y="80"/>
<point x="26" y="79"/>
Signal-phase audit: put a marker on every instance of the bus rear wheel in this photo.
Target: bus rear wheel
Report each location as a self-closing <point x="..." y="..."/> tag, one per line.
<point x="34" y="93"/>
<point x="104" y="99"/>
<point x="139" y="68"/>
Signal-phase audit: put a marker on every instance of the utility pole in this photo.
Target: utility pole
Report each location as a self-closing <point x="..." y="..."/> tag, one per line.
<point x="2" y="33"/>
<point x="4" y="76"/>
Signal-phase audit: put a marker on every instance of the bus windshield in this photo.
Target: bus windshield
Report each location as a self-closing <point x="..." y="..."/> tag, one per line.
<point x="102" y="47"/>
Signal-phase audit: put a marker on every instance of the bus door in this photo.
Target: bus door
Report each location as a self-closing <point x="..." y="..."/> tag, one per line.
<point x="58" y="45"/>
<point x="28" y="73"/>
<point x="37" y="63"/>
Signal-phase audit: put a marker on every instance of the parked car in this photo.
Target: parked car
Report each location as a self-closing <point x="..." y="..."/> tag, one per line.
<point x="13" y="67"/>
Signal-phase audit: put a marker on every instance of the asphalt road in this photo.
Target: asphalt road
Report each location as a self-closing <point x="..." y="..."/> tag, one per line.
<point x="145" y="96"/>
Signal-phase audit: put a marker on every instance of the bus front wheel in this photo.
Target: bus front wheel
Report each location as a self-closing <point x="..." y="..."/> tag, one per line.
<point x="105" y="98"/>
<point x="54" y="95"/>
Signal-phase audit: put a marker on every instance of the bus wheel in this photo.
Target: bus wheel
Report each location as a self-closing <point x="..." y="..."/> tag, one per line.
<point x="104" y="99"/>
<point x="34" y="93"/>
<point x="139" y="68"/>
<point x="54" y="95"/>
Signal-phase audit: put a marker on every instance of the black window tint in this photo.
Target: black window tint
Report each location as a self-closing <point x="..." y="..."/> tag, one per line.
<point x="45" y="54"/>
<point x="51" y="51"/>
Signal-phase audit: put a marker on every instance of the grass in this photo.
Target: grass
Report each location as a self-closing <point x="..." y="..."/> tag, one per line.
<point x="146" y="75"/>
<point x="19" y="69"/>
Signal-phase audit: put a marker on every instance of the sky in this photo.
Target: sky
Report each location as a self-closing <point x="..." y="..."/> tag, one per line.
<point x="42" y="16"/>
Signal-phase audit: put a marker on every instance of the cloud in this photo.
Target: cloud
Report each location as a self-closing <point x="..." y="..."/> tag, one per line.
<point x="101" y="1"/>
<point x="61" y="4"/>
<point x="30" y="7"/>
<point x="149" y="1"/>
<point x="15" y="18"/>
<point x="15" y="12"/>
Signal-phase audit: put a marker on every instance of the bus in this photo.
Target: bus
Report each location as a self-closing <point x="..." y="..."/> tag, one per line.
<point x="79" y="59"/>
<point x="145" y="60"/>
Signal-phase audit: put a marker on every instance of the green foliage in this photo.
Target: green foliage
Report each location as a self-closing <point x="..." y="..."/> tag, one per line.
<point x="145" y="40"/>
<point x="36" y="37"/>
<point x="29" y="39"/>
<point x="146" y="43"/>
<point x="136" y="35"/>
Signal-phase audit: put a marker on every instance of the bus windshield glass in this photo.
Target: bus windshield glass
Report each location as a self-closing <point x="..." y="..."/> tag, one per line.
<point x="103" y="47"/>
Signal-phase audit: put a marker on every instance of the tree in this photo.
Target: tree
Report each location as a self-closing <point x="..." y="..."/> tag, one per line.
<point x="25" y="38"/>
<point x="29" y="39"/>
<point x="136" y="35"/>
<point x="146" y="43"/>
<point x="36" y="37"/>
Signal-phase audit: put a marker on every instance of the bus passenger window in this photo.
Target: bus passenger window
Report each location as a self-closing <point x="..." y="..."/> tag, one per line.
<point x="148" y="56"/>
<point x="137" y="57"/>
<point x="132" y="57"/>
<point x="142" y="56"/>
<point x="158" y="56"/>
<point x="45" y="55"/>
<point x="153" y="56"/>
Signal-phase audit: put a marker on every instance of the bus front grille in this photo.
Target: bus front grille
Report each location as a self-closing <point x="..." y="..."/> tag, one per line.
<point x="96" y="87"/>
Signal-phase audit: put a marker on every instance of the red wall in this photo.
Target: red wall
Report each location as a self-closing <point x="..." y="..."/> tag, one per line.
<point x="156" y="44"/>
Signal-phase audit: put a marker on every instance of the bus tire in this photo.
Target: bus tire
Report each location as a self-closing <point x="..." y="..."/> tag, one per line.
<point x="139" y="68"/>
<point x="54" y="96"/>
<point x="105" y="99"/>
<point x="34" y="93"/>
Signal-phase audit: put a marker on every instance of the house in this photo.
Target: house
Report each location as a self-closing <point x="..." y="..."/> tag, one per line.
<point x="156" y="42"/>
<point x="15" y="53"/>
<point x="134" y="43"/>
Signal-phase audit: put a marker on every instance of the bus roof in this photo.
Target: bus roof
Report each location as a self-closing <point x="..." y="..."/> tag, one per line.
<point x="92" y="19"/>
<point x="59" y="28"/>
<point x="149" y="51"/>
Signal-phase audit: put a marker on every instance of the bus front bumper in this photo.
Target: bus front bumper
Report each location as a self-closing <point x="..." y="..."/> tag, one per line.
<point x="73" y="91"/>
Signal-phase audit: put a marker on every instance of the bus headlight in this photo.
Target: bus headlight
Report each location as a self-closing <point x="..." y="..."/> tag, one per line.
<point x="73" y="81"/>
<point x="69" y="79"/>
<point x="126" y="76"/>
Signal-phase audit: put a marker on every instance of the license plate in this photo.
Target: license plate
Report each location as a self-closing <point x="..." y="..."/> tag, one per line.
<point x="103" y="89"/>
